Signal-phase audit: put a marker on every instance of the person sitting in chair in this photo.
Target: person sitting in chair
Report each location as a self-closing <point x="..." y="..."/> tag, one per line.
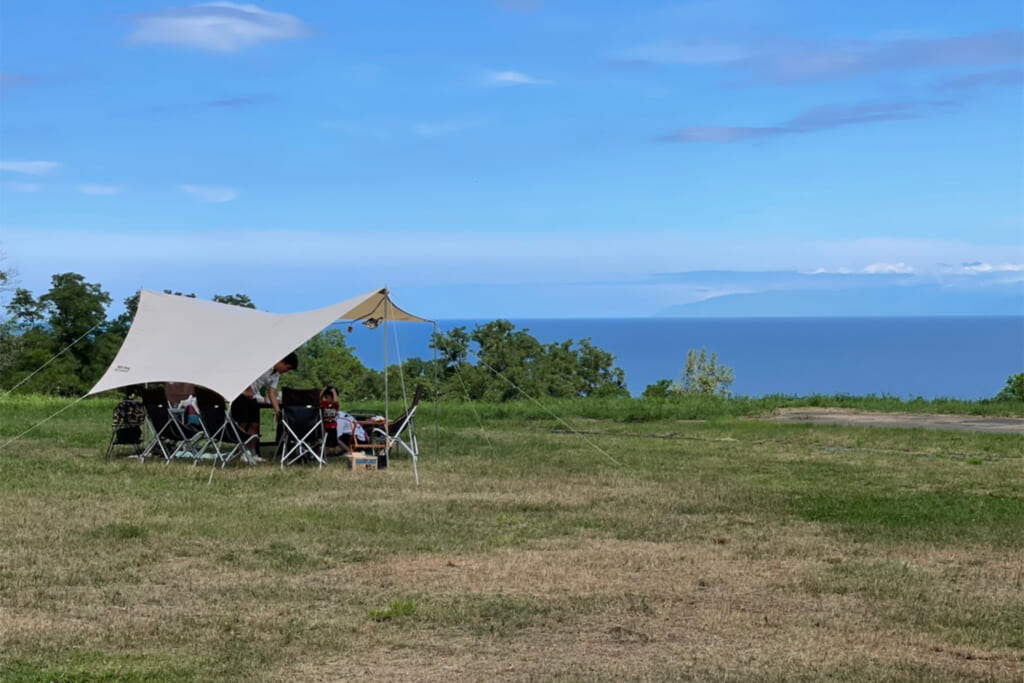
<point x="338" y="424"/>
<point x="245" y="409"/>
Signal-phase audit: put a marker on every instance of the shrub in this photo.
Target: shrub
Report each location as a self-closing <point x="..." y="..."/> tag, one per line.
<point x="1014" y="389"/>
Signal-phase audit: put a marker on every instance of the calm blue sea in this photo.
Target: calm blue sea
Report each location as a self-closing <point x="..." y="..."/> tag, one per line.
<point x="941" y="357"/>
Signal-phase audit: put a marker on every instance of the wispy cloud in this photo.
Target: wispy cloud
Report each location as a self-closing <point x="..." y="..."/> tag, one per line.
<point x="216" y="26"/>
<point x="786" y="61"/>
<point x="980" y="267"/>
<point x="888" y="269"/>
<point x="222" y="104"/>
<point x="427" y="258"/>
<point x="227" y="103"/>
<point x="214" y="195"/>
<point x="30" y="167"/>
<point x="810" y="121"/>
<point x="994" y="78"/>
<point x="514" y="78"/>
<point x="720" y="134"/>
<point x="238" y="102"/>
<point x="24" y="187"/>
<point x="439" y="129"/>
<point x="98" y="190"/>
<point x="519" y="5"/>
<point x="9" y="80"/>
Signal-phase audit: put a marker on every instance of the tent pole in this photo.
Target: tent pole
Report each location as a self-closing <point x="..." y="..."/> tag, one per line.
<point x="387" y="416"/>
<point x="437" y="392"/>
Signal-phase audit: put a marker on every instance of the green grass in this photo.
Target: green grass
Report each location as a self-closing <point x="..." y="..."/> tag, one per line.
<point x="396" y="609"/>
<point x="89" y="667"/>
<point x="723" y="549"/>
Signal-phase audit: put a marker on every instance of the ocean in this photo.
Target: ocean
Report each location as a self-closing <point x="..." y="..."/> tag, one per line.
<point x="934" y="357"/>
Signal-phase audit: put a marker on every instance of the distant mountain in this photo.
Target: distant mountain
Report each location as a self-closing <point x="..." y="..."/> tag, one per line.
<point x="907" y="300"/>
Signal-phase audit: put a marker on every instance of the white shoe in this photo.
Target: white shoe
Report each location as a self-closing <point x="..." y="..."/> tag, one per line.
<point x="256" y="459"/>
<point x="248" y="458"/>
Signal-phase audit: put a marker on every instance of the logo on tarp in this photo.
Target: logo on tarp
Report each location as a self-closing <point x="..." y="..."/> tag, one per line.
<point x="122" y="368"/>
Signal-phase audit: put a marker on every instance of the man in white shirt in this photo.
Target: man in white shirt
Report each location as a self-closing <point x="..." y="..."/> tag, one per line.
<point x="245" y="409"/>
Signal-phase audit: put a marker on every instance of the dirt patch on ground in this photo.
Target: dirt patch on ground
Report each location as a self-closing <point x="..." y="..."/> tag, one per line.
<point x="857" y="418"/>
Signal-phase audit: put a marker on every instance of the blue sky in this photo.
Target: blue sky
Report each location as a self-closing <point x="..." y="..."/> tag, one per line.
<point x="514" y="158"/>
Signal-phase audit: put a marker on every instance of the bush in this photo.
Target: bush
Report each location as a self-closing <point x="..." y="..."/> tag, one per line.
<point x="1014" y="389"/>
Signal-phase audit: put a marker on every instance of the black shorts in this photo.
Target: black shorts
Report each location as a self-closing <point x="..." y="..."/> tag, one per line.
<point x="245" y="410"/>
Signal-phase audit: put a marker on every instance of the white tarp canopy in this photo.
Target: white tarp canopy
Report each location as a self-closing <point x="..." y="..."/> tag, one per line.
<point x="222" y="347"/>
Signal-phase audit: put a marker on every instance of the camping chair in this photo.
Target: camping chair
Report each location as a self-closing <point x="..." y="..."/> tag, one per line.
<point x="170" y="435"/>
<point x="178" y="392"/>
<point x="126" y="428"/>
<point x="383" y="436"/>
<point x="301" y="430"/>
<point x="218" y="429"/>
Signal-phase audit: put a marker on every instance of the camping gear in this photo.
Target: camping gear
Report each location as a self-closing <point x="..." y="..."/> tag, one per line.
<point x="237" y="344"/>
<point x="219" y="429"/>
<point x="384" y="434"/>
<point x="171" y="435"/>
<point x="301" y="427"/>
<point x="126" y="426"/>
<point x="361" y="462"/>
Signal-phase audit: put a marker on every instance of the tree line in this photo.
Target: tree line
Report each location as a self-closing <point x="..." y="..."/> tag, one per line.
<point x="62" y="341"/>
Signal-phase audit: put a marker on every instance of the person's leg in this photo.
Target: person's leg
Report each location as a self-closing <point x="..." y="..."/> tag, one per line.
<point x="246" y="414"/>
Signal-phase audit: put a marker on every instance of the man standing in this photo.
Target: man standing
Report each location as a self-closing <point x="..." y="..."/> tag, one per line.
<point x="245" y="409"/>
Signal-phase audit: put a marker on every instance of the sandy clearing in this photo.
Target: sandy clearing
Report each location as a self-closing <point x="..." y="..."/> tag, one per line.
<point x="857" y="418"/>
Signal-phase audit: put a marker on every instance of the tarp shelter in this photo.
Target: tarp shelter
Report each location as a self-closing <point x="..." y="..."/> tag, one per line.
<point x="223" y="347"/>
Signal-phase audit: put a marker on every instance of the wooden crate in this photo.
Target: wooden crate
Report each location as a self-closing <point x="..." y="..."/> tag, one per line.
<point x="360" y="462"/>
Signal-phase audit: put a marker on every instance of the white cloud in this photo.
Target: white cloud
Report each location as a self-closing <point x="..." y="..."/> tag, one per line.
<point x="479" y="256"/>
<point x="514" y="78"/>
<point x="216" y="26"/>
<point x="24" y="187"/>
<point x="29" y="167"/>
<point x="888" y="268"/>
<point x="977" y="267"/>
<point x="214" y="195"/>
<point x="476" y="259"/>
<point x="826" y="271"/>
<point x="925" y="256"/>
<point x="100" y="190"/>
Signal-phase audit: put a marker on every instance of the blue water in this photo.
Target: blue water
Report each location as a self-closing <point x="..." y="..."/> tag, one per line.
<point x="940" y="357"/>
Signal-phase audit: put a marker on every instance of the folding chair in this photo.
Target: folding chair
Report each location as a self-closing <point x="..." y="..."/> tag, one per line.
<point x="383" y="436"/>
<point x="126" y="426"/>
<point x="218" y="429"/>
<point x="301" y="429"/>
<point x="178" y="391"/>
<point x="170" y="435"/>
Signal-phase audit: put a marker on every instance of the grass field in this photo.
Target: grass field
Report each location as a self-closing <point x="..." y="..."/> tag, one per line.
<point x="717" y="549"/>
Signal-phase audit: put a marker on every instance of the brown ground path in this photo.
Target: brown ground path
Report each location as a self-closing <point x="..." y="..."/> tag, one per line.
<point x="844" y="416"/>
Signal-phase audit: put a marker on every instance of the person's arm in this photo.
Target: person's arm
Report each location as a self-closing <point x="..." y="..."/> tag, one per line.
<point x="272" y="395"/>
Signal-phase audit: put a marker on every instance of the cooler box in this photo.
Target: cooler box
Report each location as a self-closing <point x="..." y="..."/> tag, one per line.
<point x="359" y="462"/>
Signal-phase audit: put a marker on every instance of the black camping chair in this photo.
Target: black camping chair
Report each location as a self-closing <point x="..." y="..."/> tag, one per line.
<point x="170" y="434"/>
<point x="301" y="429"/>
<point x="126" y="426"/>
<point x="219" y="429"/>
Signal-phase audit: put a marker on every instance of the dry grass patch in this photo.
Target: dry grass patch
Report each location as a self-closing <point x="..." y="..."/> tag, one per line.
<point x="730" y="554"/>
<point x="637" y="610"/>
